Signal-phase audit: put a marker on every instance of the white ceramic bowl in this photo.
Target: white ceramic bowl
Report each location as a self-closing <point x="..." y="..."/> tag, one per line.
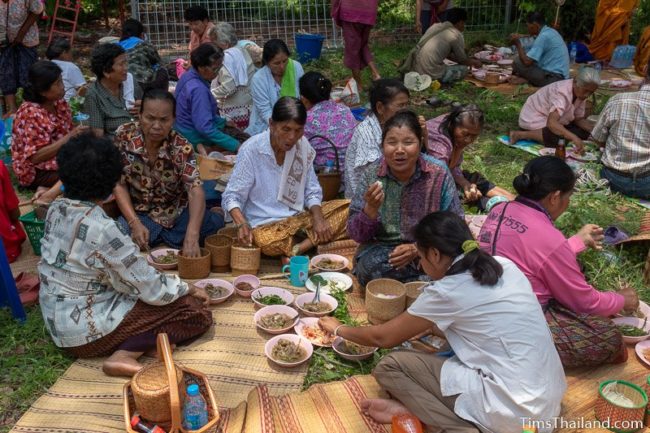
<point x="336" y="347"/>
<point x="304" y="343"/>
<point x="161" y="252"/>
<point x="286" y="295"/>
<point x="307" y="297"/>
<point x="250" y="279"/>
<point x="634" y="322"/>
<point x="274" y="309"/>
<point x="317" y="259"/>
<point x="309" y="322"/>
<point x="217" y="282"/>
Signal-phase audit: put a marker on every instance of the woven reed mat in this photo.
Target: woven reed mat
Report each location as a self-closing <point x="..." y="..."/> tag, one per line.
<point x="506" y="88"/>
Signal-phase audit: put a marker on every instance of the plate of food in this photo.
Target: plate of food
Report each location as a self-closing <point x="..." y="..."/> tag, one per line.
<point x="642" y="350"/>
<point x="505" y="62"/>
<point x="163" y="258"/>
<point x="488" y="56"/>
<point x="271" y="296"/>
<point x="616" y="84"/>
<point x="330" y="262"/>
<point x="288" y="350"/>
<point x="276" y="319"/>
<point x="587" y="156"/>
<point x="309" y="328"/>
<point x="352" y="351"/>
<point x="245" y="284"/>
<point x="642" y="312"/>
<point x="326" y="305"/>
<point x="218" y="290"/>
<point x="329" y="281"/>
<point x="633" y="328"/>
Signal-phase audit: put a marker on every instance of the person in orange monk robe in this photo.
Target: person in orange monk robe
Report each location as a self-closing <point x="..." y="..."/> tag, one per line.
<point x="613" y="20"/>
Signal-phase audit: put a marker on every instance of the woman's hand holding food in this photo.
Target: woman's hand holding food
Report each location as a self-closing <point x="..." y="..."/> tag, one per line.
<point x="402" y="255"/>
<point x="374" y="198"/>
<point x="200" y="294"/>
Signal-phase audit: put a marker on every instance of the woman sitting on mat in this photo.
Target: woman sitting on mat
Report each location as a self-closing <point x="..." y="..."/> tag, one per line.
<point x="99" y="296"/>
<point x="557" y="111"/>
<point x="326" y="118"/>
<point x="279" y="77"/>
<point x="274" y="183"/>
<point x="393" y="194"/>
<point x="387" y="97"/>
<point x="503" y="368"/>
<point x="523" y="232"/>
<point x="449" y="135"/>
<point x="42" y="125"/>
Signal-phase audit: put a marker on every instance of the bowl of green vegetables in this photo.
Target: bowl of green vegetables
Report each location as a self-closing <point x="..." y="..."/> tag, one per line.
<point x="633" y="329"/>
<point x="265" y="296"/>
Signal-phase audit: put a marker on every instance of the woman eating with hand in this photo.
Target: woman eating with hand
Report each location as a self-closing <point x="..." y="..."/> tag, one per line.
<point x="449" y="135"/>
<point x="393" y="194"/>
<point x="524" y="232"/>
<point x="273" y="194"/>
<point x="503" y="368"/>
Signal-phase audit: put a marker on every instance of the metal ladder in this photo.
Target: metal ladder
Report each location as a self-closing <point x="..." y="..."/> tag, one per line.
<point x="65" y="25"/>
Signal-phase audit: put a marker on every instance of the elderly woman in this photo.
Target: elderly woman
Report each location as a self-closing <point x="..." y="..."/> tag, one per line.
<point x="42" y="125"/>
<point x="197" y="113"/>
<point x="143" y="58"/>
<point x="105" y="100"/>
<point x="557" y="111"/>
<point x="387" y="97"/>
<point x="274" y="182"/>
<point x="99" y="296"/>
<point x="393" y="194"/>
<point x="523" y="232"/>
<point x="448" y="136"/>
<point x="231" y="87"/>
<point x="160" y="194"/>
<point x="325" y="118"/>
<point x="279" y="77"/>
<point x="503" y="369"/>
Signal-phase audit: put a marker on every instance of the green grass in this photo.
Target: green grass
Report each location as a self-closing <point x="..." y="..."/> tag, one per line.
<point x="30" y="363"/>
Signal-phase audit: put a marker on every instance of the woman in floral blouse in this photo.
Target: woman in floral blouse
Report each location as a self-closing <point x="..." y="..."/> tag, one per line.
<point x="326" y="118"/>
<point x="99" y="296"/>
<point x="42" y="125"/>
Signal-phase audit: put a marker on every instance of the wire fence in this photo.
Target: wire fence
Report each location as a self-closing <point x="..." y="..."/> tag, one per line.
<point x="260" y="20"/>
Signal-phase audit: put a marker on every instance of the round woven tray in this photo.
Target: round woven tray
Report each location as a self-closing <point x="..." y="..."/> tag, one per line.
<point x="150" y="387"/>
<point x="380" y="309"/>
<point x="231" y="231"/>
<point x="413" y="290"/>
<point x="219" y="247"/>
<point x="193" y="268"/>
<point x="244" y="260"/>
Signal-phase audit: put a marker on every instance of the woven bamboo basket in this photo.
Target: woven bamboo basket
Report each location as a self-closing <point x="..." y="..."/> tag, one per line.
<point x="219" y="247"/>
<point x="150" y="388"/>
<point x="413" y="290"/>
<point x="330" y="183"/>
<point x="230" y="231"/>
<point x="609" y="411"/>
<point x="193" y="268"/>
<point x="381" y="309"/>
<point x="346" y="248"/>
<point x="244" y="260"/>
<point x="168" y="375"/>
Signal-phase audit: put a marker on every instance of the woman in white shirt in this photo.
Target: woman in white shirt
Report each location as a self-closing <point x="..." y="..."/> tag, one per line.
<point x="504" y="367"/>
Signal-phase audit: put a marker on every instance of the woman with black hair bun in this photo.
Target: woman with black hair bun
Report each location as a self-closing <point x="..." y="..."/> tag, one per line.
<point x="523" y="231"/>
<point x="503" y="368"/>
<point x="325" y="118"/>
<point x="448" y="137"/>
<point x="42" y="125"/>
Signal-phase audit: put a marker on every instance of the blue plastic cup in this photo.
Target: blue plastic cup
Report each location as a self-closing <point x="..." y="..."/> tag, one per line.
<point x="298" y="270"/>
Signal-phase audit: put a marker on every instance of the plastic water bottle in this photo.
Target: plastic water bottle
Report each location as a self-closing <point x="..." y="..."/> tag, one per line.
<point x="195" y="409"/>
<point x="573" y="53"/>
<point x="329" y="166"/>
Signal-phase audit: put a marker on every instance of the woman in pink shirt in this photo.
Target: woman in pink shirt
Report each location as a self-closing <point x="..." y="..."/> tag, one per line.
<point x="523" y="232"/>
<point x="557" y="111"/>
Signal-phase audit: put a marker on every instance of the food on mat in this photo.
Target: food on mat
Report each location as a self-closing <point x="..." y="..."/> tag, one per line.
<point x="636" y="313"/>
<point x="244" y="287"/>
<point x="353" y="348"/>
<point x="286" y="351"/>
<point x="317" y="335"/>
<point x="631" y="331"/>
<point x="270" y="300"/>
<point x="275" y="321"/>
<point x="613" y="396"/>
<point x="326" y="283"/>
<point x="316" y="307"/>
<point x="646" y="354"/>
<point x="167" y="259"/>
<point x="216" y="291"/>
<point x="330" y="264"/>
